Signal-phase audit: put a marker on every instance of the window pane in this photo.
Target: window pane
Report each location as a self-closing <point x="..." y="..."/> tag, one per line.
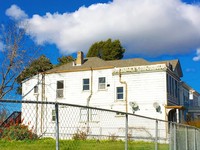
<point x="102" y="86"/>
<point x="85" y="87"/>
<point x="85" y="81"/>
<point x="35" y="89"/>
<point x="86" y="84"/>
<point x="102" y="80"/>
<point x="60" y="85"/>
<point x="120" y="93"/>
<point x="119" y="96"/>
<point x="59" y="93"/>
<point x="119" y="89"/>
<point x="53" y="115"/>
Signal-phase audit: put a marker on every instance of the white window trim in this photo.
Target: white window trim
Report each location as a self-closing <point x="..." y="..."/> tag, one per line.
<point x="116" y="94"/>
<point x="60" y="97"/>
<point x="99" y="84"/>
<point x="34" y="88"/>
<point x="85" y="84"/>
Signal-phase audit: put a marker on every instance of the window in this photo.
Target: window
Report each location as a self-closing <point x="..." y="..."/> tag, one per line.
<point x="83" y="114"/>
<point x="36" y="89"/>
<point x="86" y="84"/>
<point x="102" y="83"/>
<point x="60" y="87"/>
<point x="120" y="93"/>
<point x="53" y="114"/>
<point x="89" y="115"/>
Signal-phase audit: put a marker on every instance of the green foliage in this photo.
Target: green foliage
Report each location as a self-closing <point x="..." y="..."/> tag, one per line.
<point x="107" y="50"/>
<point x="36" y="66"/>
<point x="64" y="60"/>
<point x="49" y="144"/>
<point x="17" y="132"/>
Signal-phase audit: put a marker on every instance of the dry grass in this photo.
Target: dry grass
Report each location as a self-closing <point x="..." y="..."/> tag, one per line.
<point x="195" y="123"/>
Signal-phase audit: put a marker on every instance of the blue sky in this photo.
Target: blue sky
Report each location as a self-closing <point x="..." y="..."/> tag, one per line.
<point x="152" y="29"/>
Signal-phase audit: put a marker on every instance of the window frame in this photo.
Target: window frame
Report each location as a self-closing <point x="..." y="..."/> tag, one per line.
<point x="60" y="89"/>
<point x="119" y="93"/>
<point x="87" y="85"/>
<point x="101" y="83"/>
<point x="53" y="115"/>
<point x="35" y="89"/>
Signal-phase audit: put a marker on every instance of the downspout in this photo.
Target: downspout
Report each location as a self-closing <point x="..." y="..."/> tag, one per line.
<point x="126" y="89"/>
<point x="42" y="98"/>
<point x="88" y="99"/>
<point x="91" y="91"/>
<point x="37" y="96"/>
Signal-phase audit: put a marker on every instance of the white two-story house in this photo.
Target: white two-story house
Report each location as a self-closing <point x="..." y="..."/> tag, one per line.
<point x="151" y="89"/>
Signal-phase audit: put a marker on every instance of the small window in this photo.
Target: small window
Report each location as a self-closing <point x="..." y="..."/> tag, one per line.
<point x="60" y="87"/>
<point x="86" y="84"/>
<point x="102" y="83"/>
<point x="53" y="115"/>
<point x="120" y="114"/>
<point x="36" y="89"/>
<point x="120" y="93"/>
<point x="83" y="114"/>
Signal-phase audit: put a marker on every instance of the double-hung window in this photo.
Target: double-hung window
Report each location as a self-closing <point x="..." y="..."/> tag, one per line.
<point x="60" y="89"/>
<point x="86" y="84"/>
<point x="120" y="93"/>
<point x="102" y="83"/>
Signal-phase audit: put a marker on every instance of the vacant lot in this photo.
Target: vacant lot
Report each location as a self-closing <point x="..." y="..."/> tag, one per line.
<point x="49" y="144"/>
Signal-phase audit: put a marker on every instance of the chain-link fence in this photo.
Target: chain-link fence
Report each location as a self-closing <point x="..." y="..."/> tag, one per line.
<point x="80" y="127"/>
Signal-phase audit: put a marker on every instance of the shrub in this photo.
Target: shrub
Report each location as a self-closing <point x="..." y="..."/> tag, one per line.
<point x="80" y="135"/>
<point x="112" y="137"/>
<point x="17" y="132"/>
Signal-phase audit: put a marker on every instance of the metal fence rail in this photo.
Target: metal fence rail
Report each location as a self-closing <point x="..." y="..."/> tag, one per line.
<point x="68" y="122"/>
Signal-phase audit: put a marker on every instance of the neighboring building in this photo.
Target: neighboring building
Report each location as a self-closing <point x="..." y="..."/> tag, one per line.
<point x="152" y="89"/>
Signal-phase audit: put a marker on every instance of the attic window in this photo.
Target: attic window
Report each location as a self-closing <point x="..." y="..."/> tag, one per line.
<point x="60" y="88"/>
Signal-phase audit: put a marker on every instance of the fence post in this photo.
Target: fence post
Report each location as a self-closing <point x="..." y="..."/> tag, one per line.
<point x="57" y="127"/>
<point x="156" y="136"/>
<point x="126" y="133"/>
<point x="171" y="139"/>
<point x="175" y="136"/>
<point x="186" y="138"/>
<point x="195" y="139"/>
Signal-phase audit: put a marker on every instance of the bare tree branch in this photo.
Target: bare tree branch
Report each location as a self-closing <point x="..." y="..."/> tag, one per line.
<point x="14" y="57"/>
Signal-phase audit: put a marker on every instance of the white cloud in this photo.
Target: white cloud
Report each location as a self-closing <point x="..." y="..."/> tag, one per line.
<point x="148" y="27"/>
<point x="16" y="13"/>
<point x="197" y="58"/>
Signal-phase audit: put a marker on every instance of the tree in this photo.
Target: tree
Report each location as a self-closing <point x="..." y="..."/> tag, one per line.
<point x="16" y="51"/>
<point x="39" y="65"/>
<point x="107" y="50"/>
<point x="64" y="60"/>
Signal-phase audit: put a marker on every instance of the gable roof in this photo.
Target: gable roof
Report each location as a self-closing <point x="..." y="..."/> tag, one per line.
<point x="96" y="63"/>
